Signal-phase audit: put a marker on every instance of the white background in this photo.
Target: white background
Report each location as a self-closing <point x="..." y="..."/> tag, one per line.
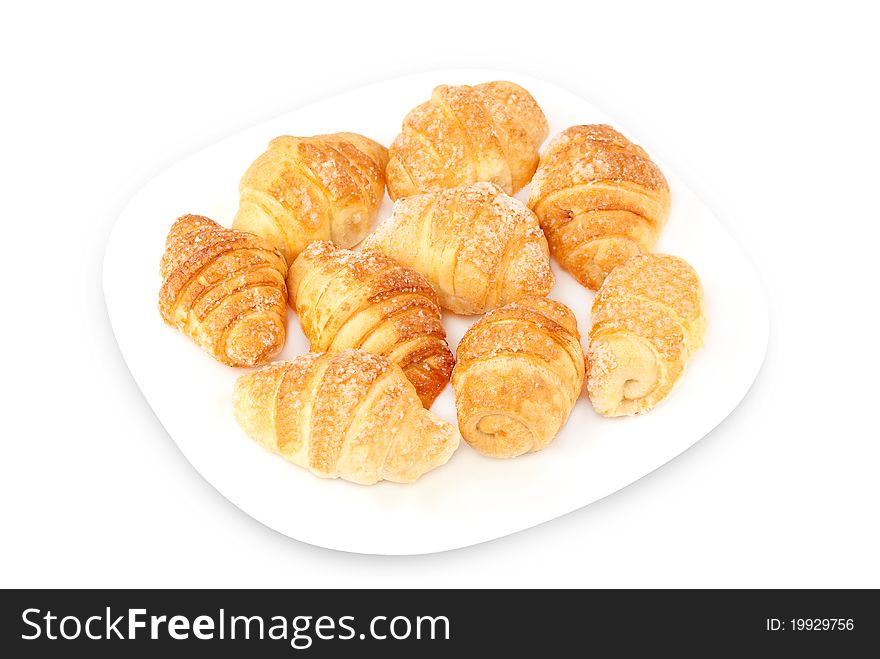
<point x="768" y="112"/>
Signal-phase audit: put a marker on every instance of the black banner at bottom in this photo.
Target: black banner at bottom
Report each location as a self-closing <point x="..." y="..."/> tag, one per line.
<point x="317" y="623"/>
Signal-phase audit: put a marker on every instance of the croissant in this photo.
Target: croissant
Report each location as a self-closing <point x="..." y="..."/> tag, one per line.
<point x="365" y="300"/>
<point x="600" y="200"/>
<point x="327" y="187"/>
<point x="518" y="374"/>
<point x="648" y="320"/>
<point x="350" y="415"/>
<point x="224" y="289"/>
<point x="478" y="247"/>
<point x="489" y="132"/>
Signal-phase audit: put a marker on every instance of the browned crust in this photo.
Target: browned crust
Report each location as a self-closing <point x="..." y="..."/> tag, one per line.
<point x="648" y="319"/>
<point x="349" y="414"/>
<point x="600" y="200"/>
<point x="488" y="132"/>
<point x="519" y="371"/>
<point x="313" y="188"/>
<point x="224" y="289"/>
<point x="478" y="247"/>
<point x="347" y="299"/>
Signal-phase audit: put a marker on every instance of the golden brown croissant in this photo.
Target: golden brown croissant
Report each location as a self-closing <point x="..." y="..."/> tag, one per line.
<point x="489" y="132"/>
<point x="224" y="289"/>
<point x="478" y="247"/>
<point x="366" y="300"/>
<point x="326" y="187"/>
<point x="648" y="320"/>
<point x="518" y="374"/>
<point x="350" y="415"/>
<point x="600" y="200"/>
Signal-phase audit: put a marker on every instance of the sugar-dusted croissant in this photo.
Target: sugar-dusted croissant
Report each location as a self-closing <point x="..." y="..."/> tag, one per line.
<point x="518" y="374"/>
<point x="478" y="247"/>
<point x="366" y="300"/>
<point x="648" y="320"/>
<point x="326" y="187"/>
<point x="489" y="132"/>
<point x="600" y="200"/>
<point x="224" y="289"/>
<point x="350" y="415"/>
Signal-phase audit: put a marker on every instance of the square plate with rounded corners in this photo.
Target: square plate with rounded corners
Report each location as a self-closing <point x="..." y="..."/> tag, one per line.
<point x="471" y="499"/>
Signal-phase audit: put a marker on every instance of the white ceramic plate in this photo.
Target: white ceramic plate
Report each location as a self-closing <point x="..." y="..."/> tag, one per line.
<point x="472" y="499"/>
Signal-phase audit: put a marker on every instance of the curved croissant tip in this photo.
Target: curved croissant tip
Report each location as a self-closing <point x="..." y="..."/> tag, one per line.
<point x="243" y="398"/>
<point x="449" y="439"/>
<point x="254" y="341"/>
<point x="240" y="390"/>
<point x="436" y="440"/>
<point x="623" y="370"/>
<point x="189" y="221"/>
<point x="498" y="434"/>
<point x="250" y="385"/>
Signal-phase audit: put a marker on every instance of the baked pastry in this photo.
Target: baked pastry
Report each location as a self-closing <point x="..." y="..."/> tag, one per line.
<point x="350" y="415"/>
<point x="326" y="187"/>
<point x="478" y="247"/>
<point x="648" y="319"/>
<point x="489" y="132"/>
<point x="518" y="374"/>
<point x="600" y="200"/>
<point x="224" y="289"/>
<point x="366" y="300"/>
